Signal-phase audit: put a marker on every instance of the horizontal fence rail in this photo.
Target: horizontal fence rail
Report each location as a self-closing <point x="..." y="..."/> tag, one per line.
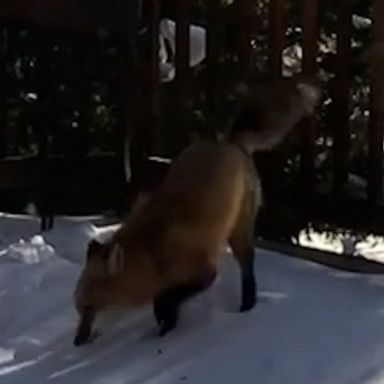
<point x="130" y="104"/>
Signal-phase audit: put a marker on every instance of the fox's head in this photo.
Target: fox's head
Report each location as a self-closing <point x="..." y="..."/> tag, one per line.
<point x="118" y="273"/>
<point x="104" y="264"/>
<point x="97" y="284"/>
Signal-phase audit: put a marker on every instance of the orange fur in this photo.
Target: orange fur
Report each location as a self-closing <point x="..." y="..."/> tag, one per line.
<point x="187" y="221"/>
<point x="173" y="238"/>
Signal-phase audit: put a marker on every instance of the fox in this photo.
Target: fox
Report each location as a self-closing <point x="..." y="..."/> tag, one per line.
<point x="168" y="248"/>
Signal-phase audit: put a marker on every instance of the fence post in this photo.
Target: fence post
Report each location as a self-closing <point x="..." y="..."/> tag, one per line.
<point x="3" y="91"/>
<point x="43" y="189"/>
<point x="183" y="72"/>
<point x="375" y="171"/>
<point x="213" y="50"/>
<point x="244" y="17"/>
<point x="276" y="30"/>
<point x="182" y="97"/>
<point x="310" y="13"/>
<point x="152" y="86"/>
<point x="213" y="53"/>
<point x="341" y="95"/>
<point x="137" y="95"/>
<point x="44" y="88"/>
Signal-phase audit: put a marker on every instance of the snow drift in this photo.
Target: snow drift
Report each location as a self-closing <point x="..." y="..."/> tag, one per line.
<point x="312" y="324"/>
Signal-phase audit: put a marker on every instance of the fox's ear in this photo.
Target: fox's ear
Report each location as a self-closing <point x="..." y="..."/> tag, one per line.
<point x="115" y="262"/>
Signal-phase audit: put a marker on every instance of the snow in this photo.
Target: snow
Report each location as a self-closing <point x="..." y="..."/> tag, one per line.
<point x="370" y="247"/>
<point x="312" y="324"/>
<point x="197" y="51"/>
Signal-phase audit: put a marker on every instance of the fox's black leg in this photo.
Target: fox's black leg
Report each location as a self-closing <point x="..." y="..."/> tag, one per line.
<point x="84" y="333"/>
<point x="248" y="282"/>
<point x="241" y="242"/>
<point x="167" y="304"/>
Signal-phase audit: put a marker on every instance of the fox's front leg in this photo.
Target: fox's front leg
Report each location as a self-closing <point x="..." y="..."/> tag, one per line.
<point x="167" y="304"/>
<point x="84" y="333"/>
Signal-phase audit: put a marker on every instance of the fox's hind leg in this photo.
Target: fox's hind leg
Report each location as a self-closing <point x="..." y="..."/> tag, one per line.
<point x="244" y="253"/>
<point x="167" y="304"/>
<point x="241" y="243"/>
<point x="241" y="238"/>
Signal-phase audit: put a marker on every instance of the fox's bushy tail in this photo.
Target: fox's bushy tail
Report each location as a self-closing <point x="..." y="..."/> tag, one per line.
<point x="269" y="111"/>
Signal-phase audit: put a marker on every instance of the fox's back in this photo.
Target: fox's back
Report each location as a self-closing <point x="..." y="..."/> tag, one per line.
<point x="204" y="188"/>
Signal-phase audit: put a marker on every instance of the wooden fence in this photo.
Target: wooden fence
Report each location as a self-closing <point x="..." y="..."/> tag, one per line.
<point x="145" y="75"/>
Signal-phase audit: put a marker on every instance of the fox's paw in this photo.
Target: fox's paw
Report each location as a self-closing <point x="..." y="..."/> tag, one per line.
<point x="248" y="305"/>
<point x="86" y="339"/>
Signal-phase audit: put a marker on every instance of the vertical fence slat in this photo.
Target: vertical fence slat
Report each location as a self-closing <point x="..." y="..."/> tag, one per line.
<point x="3" y="89"/>
<point x="183" y="84"/>
<point x="310" y="13"/>
<point x="183" y="73"/>
<point x="213" y="51"/>
<point x="244" y="16"/>
<point x="341" y="93"/>
<point x="376" y="129"/>
<point x="44" y="82"/>
<point x="153" y="118"/>
<point x="43" y="188"/>
<point x="276" y="30"/>
<point x="214" y="21"/>
<point x="129" y="142"/>
<point x="137" y="96"/>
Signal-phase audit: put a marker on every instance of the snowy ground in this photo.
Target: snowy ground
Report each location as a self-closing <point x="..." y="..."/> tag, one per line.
<point x="312" y="325"/>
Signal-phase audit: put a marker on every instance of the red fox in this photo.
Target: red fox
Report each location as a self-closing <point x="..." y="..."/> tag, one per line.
<point x="168" y="248"/>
